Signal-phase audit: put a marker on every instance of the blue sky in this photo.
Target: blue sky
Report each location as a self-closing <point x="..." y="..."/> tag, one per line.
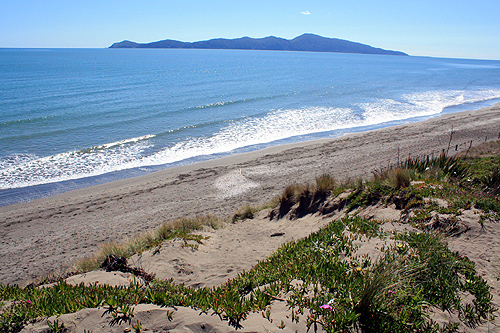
<point x="440" y="28"/>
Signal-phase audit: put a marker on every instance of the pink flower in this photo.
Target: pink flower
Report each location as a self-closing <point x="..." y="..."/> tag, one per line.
<point x="326" y="307"/>
<point x="28" y="301"/>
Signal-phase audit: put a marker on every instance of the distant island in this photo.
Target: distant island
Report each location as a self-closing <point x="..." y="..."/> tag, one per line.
<point x="305" y="42"/>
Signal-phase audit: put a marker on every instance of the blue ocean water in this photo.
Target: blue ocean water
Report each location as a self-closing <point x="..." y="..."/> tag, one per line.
<point x="71" y="118"/>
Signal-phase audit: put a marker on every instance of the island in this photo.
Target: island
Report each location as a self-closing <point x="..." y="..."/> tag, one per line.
<point x="306" y="42"/>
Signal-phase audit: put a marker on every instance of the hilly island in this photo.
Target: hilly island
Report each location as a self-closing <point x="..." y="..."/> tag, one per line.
<point x="305" y="42"/>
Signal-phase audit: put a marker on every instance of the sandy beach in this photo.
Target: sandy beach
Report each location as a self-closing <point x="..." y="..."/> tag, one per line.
<point x="47" y="235"/>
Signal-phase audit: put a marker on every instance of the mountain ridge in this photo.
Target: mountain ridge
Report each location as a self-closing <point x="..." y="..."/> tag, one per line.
<point x="306" y="42"/>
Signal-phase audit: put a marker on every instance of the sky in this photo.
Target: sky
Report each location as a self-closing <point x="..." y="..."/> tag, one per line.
<point x="437" y="28"/>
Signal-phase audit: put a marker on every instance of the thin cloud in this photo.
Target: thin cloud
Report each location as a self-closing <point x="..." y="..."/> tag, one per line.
<point x="306" y="12"/>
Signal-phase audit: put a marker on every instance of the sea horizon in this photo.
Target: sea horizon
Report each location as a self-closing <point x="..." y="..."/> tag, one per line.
<point x="107" y="48"/>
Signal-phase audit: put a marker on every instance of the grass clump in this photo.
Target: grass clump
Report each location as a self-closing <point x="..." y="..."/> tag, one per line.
<point x="290" y="196"/>
<point x="300" y="200"/>
<point x="325" y="183"/>
<point x="438" y="168"/>
<point x="399" y="178"/>
<point x="368" y="194"/>
<point x="246" y="212"/>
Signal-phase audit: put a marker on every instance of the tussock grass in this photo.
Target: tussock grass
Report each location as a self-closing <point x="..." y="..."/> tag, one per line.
<point x="399" y="178"/>
<point x="325" y="184"/>
<point x="391" y="275"/>
<point x="246" y="212"/>
<point x="442" y="167"/>
<point x="307" y="197"/>
<point x="293" y="192"/>
<point x="290" y="196"/>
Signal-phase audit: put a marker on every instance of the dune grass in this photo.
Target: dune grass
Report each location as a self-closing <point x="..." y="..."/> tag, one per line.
<point x="181" y="228"/>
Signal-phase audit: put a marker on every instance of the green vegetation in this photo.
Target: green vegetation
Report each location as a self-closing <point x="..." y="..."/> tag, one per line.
<point x="322" y="279"/>
<point x="339" y="290"/>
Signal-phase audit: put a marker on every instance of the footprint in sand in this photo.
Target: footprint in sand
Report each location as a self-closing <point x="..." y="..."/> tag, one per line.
<point x="233" y="184"/>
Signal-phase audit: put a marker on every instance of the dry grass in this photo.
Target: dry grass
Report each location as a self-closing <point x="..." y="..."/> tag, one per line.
<point x="245" y="212"/>
<point x="352" y="183"/>
<point x="290" y="196"/>
<point x="187" y="225"/>
<point x="179" y="228"/>
<point x="293" y="192"/>
<point x="491" y="148"/>
<point x="307" y="197"/>
<point x="399" y="178"/>
<point x="325" y="183"/>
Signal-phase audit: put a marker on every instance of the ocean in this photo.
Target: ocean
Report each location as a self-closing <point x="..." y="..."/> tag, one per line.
<point x="71" y="118"/>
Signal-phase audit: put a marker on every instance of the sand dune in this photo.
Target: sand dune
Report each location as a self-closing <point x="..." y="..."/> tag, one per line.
<point x="240" y="246"/>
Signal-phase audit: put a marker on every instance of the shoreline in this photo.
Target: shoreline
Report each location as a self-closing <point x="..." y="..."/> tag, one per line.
<point x="12" y="196"/>
<point x="48" y="234"/>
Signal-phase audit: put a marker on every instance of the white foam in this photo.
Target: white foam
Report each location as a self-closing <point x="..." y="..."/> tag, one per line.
<point x="96" y="161"/>
<point x="279" y="124"/>
<point x="28" y="170"/>
<point x="422" y="104"/>
<point x="126" y="141"/>
<point x="283" y="124"/>
<point x="14" y="160"/>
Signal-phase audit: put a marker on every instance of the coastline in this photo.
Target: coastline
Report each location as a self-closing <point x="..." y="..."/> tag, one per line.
<point x="46" y="234"/>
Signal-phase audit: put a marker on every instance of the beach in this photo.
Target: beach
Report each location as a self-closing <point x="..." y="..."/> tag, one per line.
<point x="48" y="235"/>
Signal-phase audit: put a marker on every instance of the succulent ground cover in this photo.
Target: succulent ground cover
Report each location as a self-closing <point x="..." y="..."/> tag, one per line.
<point x="321" y="277"/>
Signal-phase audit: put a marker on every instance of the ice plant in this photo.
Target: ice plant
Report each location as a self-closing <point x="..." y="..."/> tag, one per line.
<point x="326" y="307"/>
